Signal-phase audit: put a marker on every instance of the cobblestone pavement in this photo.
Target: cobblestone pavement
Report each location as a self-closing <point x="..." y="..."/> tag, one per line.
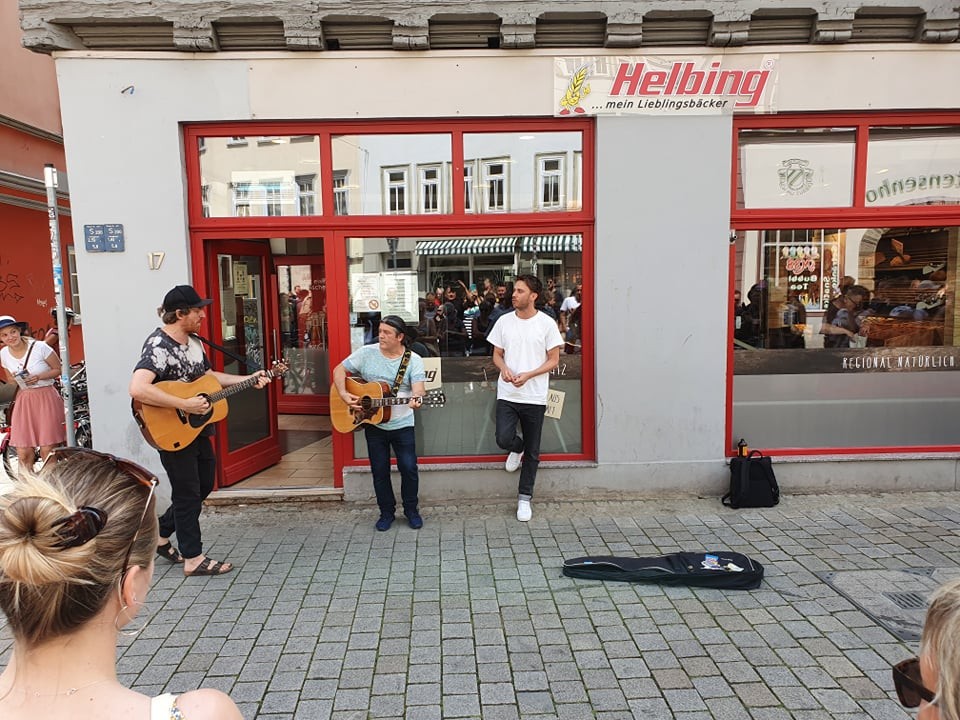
<point x="470" y="617"/>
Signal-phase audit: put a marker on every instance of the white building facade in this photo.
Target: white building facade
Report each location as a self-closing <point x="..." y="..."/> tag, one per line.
<point x="364" y="179"/>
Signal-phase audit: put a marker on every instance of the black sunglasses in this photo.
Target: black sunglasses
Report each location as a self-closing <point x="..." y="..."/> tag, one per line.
<point x="909" y="684"/>
<point x="86" y="531"/>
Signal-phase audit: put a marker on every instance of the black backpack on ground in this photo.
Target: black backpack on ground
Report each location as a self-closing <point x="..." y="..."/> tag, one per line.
<point x="714" y="569"/>
<point x="752" y="482"/>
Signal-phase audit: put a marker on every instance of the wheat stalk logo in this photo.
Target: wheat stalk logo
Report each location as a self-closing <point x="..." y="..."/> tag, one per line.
<point x="577" y="90"/>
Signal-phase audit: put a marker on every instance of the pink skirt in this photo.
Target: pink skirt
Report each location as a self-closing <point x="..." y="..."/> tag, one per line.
<point x="37" y="418"/>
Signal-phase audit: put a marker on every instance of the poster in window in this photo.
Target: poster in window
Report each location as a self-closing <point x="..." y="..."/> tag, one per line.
<point x="241" y="284"/>
<point x="400" y="295"/>
<point x="365" y="290"/>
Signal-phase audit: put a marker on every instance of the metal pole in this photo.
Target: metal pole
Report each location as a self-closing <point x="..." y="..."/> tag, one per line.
<point x="53" y="216"/>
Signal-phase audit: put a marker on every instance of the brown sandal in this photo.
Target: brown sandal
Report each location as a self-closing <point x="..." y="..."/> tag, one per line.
<point x="208" y="566"/>
<point x="169" y="552"/>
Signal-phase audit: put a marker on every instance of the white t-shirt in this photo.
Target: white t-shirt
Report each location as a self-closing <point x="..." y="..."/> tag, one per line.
<point x="38" y="361"/>
<point x="569" y="304"/>
<point x="525" y="344"/>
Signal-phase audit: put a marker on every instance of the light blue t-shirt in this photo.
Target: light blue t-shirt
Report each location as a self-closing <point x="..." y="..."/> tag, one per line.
<point x="370" y="364"/>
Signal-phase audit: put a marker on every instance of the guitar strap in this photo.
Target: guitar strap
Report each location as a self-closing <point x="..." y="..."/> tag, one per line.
<point x="401" y="371"/>
<point x="249" y="364"/>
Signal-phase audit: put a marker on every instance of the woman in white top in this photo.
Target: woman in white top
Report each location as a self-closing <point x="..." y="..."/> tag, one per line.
<point x="77" y="542"/>
<point x="38" y="411"/>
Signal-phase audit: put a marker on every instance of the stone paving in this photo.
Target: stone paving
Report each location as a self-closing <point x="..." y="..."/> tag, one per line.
<point x="470" y="617"/>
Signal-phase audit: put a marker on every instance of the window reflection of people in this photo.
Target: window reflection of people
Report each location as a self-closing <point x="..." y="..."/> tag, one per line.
<point x="840" y="322"/>
<point x="753" y="330"/>
<point x="571" y="312"/>
<point x="932" y="680"/>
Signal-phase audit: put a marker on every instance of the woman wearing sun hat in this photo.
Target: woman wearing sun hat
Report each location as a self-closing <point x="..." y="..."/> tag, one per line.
<point x="38" y="411"/>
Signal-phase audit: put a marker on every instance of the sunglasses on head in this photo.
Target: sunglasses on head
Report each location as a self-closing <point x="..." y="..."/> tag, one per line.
<point x="87" y="522"/>
<point x="909" y="684"/>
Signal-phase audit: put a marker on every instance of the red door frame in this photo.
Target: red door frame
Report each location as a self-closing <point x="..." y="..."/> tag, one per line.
<point x="858" y="215"/>
<point x="335" y="229"/>
<point x="236" y="465"/>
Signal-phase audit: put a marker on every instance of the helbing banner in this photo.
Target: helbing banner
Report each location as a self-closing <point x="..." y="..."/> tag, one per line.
<point x="664" y="85"/>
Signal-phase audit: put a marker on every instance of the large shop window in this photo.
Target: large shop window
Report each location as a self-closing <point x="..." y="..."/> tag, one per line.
<point x="276" y="176"/>
<point x="845" y="337"/>
<point x="429" y="281"/>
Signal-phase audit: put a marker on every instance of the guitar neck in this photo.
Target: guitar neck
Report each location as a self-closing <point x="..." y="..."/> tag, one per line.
<point x="381" y="402"/>
<point x="239" y="387"/>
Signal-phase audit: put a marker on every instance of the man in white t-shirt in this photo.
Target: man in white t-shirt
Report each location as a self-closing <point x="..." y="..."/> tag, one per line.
<point x="526" y="347"/>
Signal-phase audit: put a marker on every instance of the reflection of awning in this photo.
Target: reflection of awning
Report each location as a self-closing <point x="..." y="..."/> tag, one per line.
<point x="468" y="246"/>
<point x="552" y="243"/>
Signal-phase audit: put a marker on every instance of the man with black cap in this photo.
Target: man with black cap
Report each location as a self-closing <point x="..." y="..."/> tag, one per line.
<point x="390" y="361"/>
<point x="172" y="352"/>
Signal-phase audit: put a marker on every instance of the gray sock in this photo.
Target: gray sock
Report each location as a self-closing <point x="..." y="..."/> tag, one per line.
<point x="521" y="496"/>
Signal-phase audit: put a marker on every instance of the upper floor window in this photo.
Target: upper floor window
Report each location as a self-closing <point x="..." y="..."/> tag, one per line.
<point x="494" y="185"/>
<point x="340" y="193"/>
<point x="395" y="191"/>
<point x="469" y="200"/>
<point x="551" y="179"/>
<point x="307" y="194"/>
<point x="431" y="195"/>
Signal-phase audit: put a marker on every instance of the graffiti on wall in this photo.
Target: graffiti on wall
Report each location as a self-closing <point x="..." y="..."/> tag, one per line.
<point x="10" y="290"/>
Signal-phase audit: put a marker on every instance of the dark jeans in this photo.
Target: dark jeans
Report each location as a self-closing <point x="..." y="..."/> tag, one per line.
<point x="530" y="418"/>
<point x="191" y="472"/>
<point x="404" y="444"/>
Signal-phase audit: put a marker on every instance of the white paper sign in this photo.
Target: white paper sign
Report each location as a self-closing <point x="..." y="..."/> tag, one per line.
<point x="434" y="379"/>
<point x="555" y="403"/>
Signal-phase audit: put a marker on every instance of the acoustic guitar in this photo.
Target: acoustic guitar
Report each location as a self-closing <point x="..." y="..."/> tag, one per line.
<point x="375" y="402"/>
<point x="171" y="429"/>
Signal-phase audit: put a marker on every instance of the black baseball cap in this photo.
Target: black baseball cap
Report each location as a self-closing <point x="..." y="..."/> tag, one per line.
<point x="183" y="297"/>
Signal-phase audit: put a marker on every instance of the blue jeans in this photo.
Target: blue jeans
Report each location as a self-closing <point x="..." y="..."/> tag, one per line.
<point x="530" y="418"/>
<point x="404" y="444"/>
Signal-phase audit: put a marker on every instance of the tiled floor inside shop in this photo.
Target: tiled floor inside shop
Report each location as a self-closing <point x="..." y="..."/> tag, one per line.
<point x="307" y="456"/>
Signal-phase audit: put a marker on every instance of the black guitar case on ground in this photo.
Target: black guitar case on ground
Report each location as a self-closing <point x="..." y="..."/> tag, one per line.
<point x="714" y="569"/>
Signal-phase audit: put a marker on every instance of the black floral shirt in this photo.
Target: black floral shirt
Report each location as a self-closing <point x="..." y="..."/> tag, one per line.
<point x="169" y="360"/>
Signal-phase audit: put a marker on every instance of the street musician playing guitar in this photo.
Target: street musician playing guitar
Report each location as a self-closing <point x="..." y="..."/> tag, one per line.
<point x="390" y="361"/>
<point x="172" y="352"/>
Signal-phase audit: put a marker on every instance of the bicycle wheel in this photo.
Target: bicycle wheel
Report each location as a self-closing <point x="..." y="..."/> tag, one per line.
<point x="10" y="463"/>
<point x="83" y="435"/>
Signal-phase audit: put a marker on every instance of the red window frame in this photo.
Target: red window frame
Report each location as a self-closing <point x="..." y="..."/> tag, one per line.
<point x="335" y="228"/>
<point x="855" y="216"/>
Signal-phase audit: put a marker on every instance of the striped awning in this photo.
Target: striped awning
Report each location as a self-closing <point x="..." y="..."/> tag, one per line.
<point x="469" y="246"/>
<point x="551" y="243"/>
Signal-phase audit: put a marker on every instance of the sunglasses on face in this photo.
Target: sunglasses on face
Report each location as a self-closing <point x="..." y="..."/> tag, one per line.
<point x="89" y="520"/>
<point x="909" y="684"/>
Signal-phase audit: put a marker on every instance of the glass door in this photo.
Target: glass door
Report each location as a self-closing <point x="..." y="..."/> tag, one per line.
<point x="302" y="304"/>
<point x="240" y="321"/>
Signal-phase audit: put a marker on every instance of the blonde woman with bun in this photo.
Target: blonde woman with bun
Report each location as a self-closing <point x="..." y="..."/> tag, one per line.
<point x="932" y="680"/>
<point x="77" y="542"/>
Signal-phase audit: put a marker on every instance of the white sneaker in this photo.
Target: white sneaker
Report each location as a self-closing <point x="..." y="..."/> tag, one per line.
<point x="524" y="511"/>
<point x="513" y="462"/>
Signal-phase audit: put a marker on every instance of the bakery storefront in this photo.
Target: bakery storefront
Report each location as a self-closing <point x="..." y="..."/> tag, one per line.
<point x="821" y="203"/>
<point x="310" y="193"/>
